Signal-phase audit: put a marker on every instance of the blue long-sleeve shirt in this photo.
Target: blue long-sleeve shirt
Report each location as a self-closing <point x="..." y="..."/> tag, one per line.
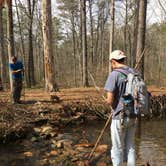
<point x="16" y="66"/>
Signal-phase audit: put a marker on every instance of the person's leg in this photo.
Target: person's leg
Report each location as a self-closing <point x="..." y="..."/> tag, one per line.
<point x="19" y="89"/>
<point x="14" y="92"/>
<point x="117" y="137"/>
<point x="130" y="144"/>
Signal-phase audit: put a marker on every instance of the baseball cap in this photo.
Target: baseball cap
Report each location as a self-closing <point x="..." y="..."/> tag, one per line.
<point x="117" y="55"/>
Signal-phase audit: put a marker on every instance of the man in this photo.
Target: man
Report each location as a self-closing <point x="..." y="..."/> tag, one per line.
<point x="17" y="70"/>
<point x="122" y="135"/>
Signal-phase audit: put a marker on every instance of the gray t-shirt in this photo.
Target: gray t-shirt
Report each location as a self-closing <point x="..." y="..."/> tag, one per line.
<point x="116" y="84"/>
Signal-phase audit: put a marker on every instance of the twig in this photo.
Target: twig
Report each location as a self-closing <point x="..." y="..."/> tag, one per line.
<point x="99" y="138"/>
<point x="106" y="124"/>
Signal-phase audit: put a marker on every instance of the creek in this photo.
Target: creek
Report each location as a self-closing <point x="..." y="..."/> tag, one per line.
<point x="40" y="151"/>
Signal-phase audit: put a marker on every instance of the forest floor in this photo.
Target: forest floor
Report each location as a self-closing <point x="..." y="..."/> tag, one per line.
<point x="76" y="106"/>
<point x="38" y="105"/>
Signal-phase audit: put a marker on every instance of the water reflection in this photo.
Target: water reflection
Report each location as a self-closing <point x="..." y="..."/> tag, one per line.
<point x="150" y="146"/>
<point x="150" y="140"/>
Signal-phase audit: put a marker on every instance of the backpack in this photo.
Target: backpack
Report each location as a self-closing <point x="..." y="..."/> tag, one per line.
<point x="136" y="97"/>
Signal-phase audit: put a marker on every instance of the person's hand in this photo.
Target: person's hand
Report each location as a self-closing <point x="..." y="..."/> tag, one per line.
<point x="19" y="70"/>
<point x="16" y="71"/>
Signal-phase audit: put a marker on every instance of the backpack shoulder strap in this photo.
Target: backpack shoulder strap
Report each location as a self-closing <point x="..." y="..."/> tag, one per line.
<point x="123" y="71"/>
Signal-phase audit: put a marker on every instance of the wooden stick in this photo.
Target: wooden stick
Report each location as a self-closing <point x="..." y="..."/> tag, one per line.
<point x="106" y="124"/>
<point x="100" y="136"/>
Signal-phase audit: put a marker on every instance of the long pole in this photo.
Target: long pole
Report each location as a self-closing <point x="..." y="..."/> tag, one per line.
<point x="100" y="136"/>
<point x="106" y="124"/>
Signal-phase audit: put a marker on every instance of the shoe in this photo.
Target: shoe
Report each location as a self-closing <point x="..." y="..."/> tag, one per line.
<point x="14" y="102"/>
<point x="19" y="102"/>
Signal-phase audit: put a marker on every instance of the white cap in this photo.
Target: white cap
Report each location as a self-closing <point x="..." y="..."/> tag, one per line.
<point x="117" y="55"/>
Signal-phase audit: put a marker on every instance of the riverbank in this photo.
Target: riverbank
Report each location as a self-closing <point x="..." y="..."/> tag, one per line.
<point x="38" y="108"/>
<point x="40" y="118"/>
<point x="76" y="106"/>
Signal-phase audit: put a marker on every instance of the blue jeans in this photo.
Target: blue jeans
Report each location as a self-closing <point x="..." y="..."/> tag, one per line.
<point x="123" y="146"/>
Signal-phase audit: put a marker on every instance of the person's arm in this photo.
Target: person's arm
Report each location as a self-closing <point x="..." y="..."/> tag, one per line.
<point x="110" y="87"/>
<point x="110" y="98"/>
<point x="16" y="71"/>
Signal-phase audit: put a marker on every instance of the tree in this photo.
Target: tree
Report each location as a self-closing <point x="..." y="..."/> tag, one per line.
<point x="1" y="2"/>
<point x="135" y="26"/>
<point x="18" y="6"/>
<point x="50" y="84"/>
<point x="2" y="53"/>
<point x="125" y="26"/>
<point x="162" y="6"/>
<point x="91" y="31"/>
<point x="31" y="77"/>
<point x="112" y="29"/>
<point x="84" y="44"/>
<point x="141" y="34"/>
<point x="69" y="14"/>
<point x="10" y="35"/>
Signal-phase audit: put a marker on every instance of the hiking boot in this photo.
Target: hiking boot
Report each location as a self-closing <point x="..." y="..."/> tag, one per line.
<point x="16" y="102"/>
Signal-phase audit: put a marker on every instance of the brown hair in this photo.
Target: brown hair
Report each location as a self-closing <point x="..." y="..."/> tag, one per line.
<point x="120" y="60"/>
<point x="14" y="58"/>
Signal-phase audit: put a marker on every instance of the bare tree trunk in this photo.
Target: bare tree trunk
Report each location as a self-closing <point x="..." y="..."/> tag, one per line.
<point x="141" y="34"/>
<point x="102" y="37"/>
<point x="1" y="2"/>
<point x="159" y="58"/>
<point x="22" y="42"/>
<point x="40" y="49"/>
<point x="10" y="35"/>
<point x="125" y="27"/>
<point x="80" y="45"/>
<point x="50" y="84"/>
<point x="96" y="51"/>
<point x="31" y="76"/>
<point x="133" y="55"/>
<point x="162" y="6"/>
<point x="112" y="29"/>
<point x="91" y="31"/>
<point x="74" y="46"/>
<point x="84" y="45"/>
<point x="2" y="53"/>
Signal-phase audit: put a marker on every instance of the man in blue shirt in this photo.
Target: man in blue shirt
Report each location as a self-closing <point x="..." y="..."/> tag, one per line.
<point x="17" y="70"/>
<point x="123" y="146"/>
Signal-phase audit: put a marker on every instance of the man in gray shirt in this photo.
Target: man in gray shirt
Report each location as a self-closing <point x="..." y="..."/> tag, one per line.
<point x="123" y="147"/>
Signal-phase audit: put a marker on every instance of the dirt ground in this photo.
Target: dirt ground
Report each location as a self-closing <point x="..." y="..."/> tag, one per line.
<point x="38" y="106"/>
<point x="66" y="95"/>
<point x="70" y="95"/>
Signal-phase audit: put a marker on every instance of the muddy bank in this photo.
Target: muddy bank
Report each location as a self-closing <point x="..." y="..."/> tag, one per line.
<point x="71" y="146"/>
<point x="76" y="106"/>
<point x="18" y="120"/>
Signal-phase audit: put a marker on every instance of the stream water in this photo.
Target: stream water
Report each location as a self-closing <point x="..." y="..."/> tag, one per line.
<point x="150" y="146"/>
